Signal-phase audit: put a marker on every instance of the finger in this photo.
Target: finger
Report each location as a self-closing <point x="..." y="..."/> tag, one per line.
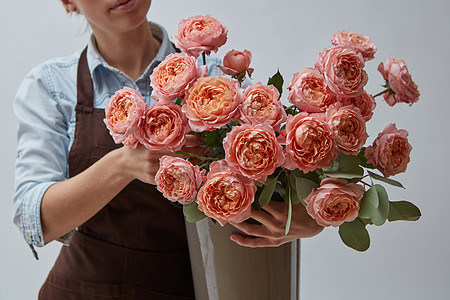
<point x="252" y="229"/>
<point x="254" y="242"/>
<point x="276" y="208"/>
<point x="262" y="217"/>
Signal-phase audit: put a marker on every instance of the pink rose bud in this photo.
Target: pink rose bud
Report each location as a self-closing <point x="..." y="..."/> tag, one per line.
<point x="173" y="76"/>
<point x="309" y="142"/>
<point x="123" y="113"/>
<point x="357" y="42"/>
<point x="163" y="126"/>
<point x="237" y="62"/>
<point x="343" y="69"/>
<point x="178" y="180"/>
<point x="334" y="202"/>
<point x="390" y="151"/>
<point x="308" y="92"/>
<point x="261" y="104"/>
<point x="200" y="34"/>
<point x="212" y="102"/>
<point x="349" y="128"/>
<point x="398" y="79"/>
<point x="253" y="151"/>
<point x="226" y="196"/>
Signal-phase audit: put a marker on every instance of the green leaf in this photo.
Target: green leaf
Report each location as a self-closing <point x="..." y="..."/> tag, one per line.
<point x="333" y="168"/>
<point x="403" y="211"/>
<point x="365" y="221"/>
<point x="279" y="188"/>
<point x="192" y="213"/>
<point x="301" y="187"/>
<point x="354" y="234"/>
<point x="293" y="193"/>
<point x="178" y="101"/>
<point x="289" y="217"/>
<point x="277" y="81"/>
<point x="386" y="180"/>
<point x="372" y="196"/>
<point x="368" y="208"/>
<point x="348" y="168"/>
<point x="363" y="159"/>
<point x="267" y="192"/>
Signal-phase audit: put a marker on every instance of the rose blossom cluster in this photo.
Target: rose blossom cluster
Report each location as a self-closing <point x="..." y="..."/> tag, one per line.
<point x="259" y="137"/>
<point x="333" y="110"/>
<point x="130" y="121"/>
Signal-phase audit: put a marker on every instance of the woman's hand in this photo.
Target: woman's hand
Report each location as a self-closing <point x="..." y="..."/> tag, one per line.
<point x="142" y="164"/>
<point x="270" y="233"/>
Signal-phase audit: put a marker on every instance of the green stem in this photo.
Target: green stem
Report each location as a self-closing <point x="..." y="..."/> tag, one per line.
<point x="383" y="92"/>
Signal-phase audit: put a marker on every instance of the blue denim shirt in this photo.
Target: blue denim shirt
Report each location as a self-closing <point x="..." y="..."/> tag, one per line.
<point x="45" y="106"/>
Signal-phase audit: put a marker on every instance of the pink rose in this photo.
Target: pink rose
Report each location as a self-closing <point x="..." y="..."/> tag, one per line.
<point x="163" y="126"/>
<point x="178" y="180"/>
<point x="123" y="113"/>
<point x="309" y="142"/>
<point x="174" y="75"/>
<point x="349" y="128"/>
<point x="200" y="34"/>
<point x="334" y="202"/>
<point x="364" y="102"/>
<point x="237" y="62"/>
<point x="307" y="91"/>
<point x="212" y="102"/>
<point x="226" y="196"/>
<point x="261" y="104"/>
<point x="342" y="68"/>
<point x="357" y="42"/>
<point x="398" y="79"/>
<point x="253" y="151"/>
<point x="390" y="151"/>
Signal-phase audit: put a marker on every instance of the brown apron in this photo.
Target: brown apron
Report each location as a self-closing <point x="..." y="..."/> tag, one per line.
<point x="135" y="247"/>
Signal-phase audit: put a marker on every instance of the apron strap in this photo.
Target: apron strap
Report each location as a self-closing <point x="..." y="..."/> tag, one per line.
<point x="85" y="89"/>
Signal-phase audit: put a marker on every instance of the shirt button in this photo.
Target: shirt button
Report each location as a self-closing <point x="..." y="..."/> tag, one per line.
<point x="37" y="238"/>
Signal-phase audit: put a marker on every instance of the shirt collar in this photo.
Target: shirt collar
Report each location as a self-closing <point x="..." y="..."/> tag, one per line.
<point x="95" y="60"/>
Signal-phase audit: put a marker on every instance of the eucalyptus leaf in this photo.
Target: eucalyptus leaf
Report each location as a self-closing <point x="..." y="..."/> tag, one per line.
<point x="404" y="211"/>
<point x="304" y="186"/>
<point x="348" y="168"/>
<point x="386" y="180"/>
<point x="267" y="192"/>
<point x="354" y="234"/>
<point x="368" y="209"/>
<point x="289" y="217"/>
<point x="279" y="188"/>
<point x="277" y="81"/>
<point x="293" y="193"/>
<point x="192" y="213"/>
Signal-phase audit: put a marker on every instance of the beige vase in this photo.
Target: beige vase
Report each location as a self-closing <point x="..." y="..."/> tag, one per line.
<point x="223" y="270"/>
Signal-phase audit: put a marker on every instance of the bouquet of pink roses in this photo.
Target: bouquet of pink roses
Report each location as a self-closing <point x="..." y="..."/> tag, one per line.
<point x="311" y="153"/>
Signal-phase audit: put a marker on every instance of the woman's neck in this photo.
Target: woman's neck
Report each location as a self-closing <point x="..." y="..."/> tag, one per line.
<point x="129" y="52"/>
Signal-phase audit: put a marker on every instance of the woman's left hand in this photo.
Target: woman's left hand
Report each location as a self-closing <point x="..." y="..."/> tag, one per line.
<point x="270" y="233"/>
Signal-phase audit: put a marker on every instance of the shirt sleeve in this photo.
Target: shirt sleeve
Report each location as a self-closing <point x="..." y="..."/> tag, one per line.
<point x="42" y="143"/>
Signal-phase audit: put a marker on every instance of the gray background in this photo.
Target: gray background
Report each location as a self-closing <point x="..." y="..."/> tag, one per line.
<point x="405" y="260"/>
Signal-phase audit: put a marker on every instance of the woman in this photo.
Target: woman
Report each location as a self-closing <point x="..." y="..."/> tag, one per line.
<point x="130" y="243"/>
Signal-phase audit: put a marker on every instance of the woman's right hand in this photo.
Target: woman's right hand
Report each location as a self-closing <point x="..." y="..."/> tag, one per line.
<point x="142" y="164"/>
